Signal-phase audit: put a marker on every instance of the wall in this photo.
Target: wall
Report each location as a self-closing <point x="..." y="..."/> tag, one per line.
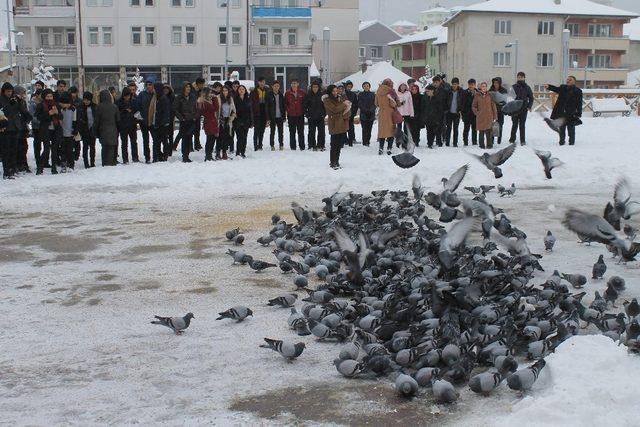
<point x="632" y="59"/>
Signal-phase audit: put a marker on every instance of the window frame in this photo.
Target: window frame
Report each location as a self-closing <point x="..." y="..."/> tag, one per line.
<point x="362" y="52"/>
<point x="139" y="31"/>
<point x="222" y="30"/>
<point x="151" y="33"/>
<point x="186" y="35"/>
<point x="376" y="52"/>
<point x="263" y="32"/>
<point x="294" y="32"/>
<point x="501" y="59"/>
<point x="571" y="26"/>
<point x="92" y="33"/>
<point x="276" y="32"/>
<point x="498" y="24"/>
<point x="103" y="32"/>
<point x="178" y="33"/>
<point x="540" y="60"/>
<point x="546" y="28"/>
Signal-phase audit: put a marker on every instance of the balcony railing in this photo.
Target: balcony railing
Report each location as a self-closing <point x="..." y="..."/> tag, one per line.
<point x="281" y="50"/>
<point x="599" y="43"/>
<point x="270" y="12"/>
<point x="55" y="50"/>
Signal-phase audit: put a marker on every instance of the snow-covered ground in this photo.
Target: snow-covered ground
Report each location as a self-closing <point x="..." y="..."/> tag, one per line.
<point x="89" y="257"/>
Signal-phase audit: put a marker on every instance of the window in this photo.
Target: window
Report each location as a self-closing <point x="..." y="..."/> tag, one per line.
<point x="107" y="38"/>
<point x="293" y="3"/>
<point x="277" y="36"/>
<point x="216" y="74"/>
<point x="71" y="37"/>
<point x="93" y="35"/>
<point x="176" y="3"/>
<point x="222" y="35"/>
<point x="574" y="29"/>
<point x="396" y="54"/>
<point x="190" y="32"/>
<point x="573" y="60"/>
<point x="134" y="3"/>
<point x="293" y="36"/>
<point x="545" y="60"/>
<point x="599" y="30"/>
<point x="189" y="3"/>
<point x="432" y="51"/>
<point x="149" y="3"/>
<point x="43" y="36"/>
<point x="545" y="28"/>
<point x="502" y="27"/>
<point x="104" y="3"/>
<point x="150" y="35"/>
<point x="376" y="52"/>
<point x="501" y="59"/>
<point x="176" y="35"/>
<point x="362" y="51"/>
<point x="263" y="36"/>
<point x="57" y="36"/>
<point x="234" y="3"/>
<point x="235" y="35"/>
<point x="599" y="61"/>
<point x="136" y="35"/>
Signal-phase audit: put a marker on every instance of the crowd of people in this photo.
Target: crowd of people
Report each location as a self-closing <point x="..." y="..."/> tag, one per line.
<point x="65" y="125"/>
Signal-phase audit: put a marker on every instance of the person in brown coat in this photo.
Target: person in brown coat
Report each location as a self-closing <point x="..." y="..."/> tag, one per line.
<point x="338" y="114"/>
<point x="486" y="113"/>
<point x="386" y="106"/>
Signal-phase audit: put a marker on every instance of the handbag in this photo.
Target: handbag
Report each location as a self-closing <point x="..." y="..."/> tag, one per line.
<point x="396" y="117"/>
<point x="495" y="128"/>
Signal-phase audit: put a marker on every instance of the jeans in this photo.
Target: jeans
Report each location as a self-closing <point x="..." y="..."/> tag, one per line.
<point x="470" y="124"/>
<point x="337" y="141"/>
<point x="160" y="144"/>
<point x="259" y="125"/>
<point x="127" y="135"/>
<point x="434" y="132"/>
<point x="366" y="131"/>
<point x="208" y="147"/>
<point x="296" y="125"/>
<point x="9" y="147"/>
<point x="196" y="134"/>
<point x="279" y="124"/>
<point x="241" y="133"/>
<point x="89" y="150"/>
<point x="316" y="125"/>
<point x="453" y="122"/>
<point x="571" y="129"/>
<point x="224" y="137"/>
<point x="518" y="122"/>
<point x="144" y="128"/>
<point x="187" y="132"/>
<point x="68" y="151"/>
<point x="55" y="146"/>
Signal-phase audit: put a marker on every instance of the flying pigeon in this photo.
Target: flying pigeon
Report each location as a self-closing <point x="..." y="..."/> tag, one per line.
<point x="453" y="182"/>
<point x="288" y="350"/>
<point x="406" y="159"/>
<point x="238" y="313"/>
<point x="494" y="160"/>
<point x="595" y="228"/>
<point x="453" y="239"/>
<point x="178" y="324"/>
<point x="548" y="162"/>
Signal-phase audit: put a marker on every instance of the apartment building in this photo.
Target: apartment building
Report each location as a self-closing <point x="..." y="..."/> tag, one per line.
<point x="501" y="37"/>
<point x="374" y="41"/>
<point x="434" y="16"/>
<point x="103" y="42"/>
<point x="413" y="54"/>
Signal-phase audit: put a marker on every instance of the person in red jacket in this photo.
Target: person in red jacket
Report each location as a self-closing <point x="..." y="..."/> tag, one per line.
<point x="208" y="108"/>
<point x="295" y="113"/>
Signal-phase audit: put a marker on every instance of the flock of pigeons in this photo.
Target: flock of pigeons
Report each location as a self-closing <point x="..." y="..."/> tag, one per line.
<point x="435" y="306"/>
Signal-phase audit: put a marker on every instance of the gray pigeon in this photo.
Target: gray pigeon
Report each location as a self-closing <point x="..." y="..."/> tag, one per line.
<point x="265" y="240"/>
<point x="455" y="179"/>
<point x="406" y="386"/>
<point x="239" y="257"/>
<point x="300" y="281"/>
<point x="599" y="268"/>
<point x="508" y="191"/>
<point x="548" y="162"/>
<point x="485" y="382"/>
<point x="416" y="187"/>
<point x="348" y="368"/>
<point x="444" y="392"/>
<point x="453" y="239"/>
<point x="494" y="160"/>
<point x="617" y="283"/>
<point x="632" y="308"/>
<point x="487" y="188"/>
<point x="424" y="376"/>
<point x="231" y="234"/>
<point x="178" y="324"/>
<point x="576" y="280"/>
<point x="275" y="218"/>
<point x="258" y="265"/>
<point x="623" y="205"/>
<point x="288" y="350"/>
<point x="238" y="313"/>
<point x="595" y="228"/>
<point x="524" y="379"/>
<point x="238" y="240"/>
<point x="549" y="241"/>
<point x="284" y="301"/>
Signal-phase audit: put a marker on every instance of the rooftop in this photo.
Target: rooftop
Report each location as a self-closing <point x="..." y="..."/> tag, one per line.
<point x="366" y="24"/>
<point x="403" y="23"/>
<point x="437" y="10"/>
<point x="439" y="33"/>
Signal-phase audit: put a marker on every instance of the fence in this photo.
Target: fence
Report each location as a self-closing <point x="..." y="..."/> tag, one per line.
<point x="544" y="101"/>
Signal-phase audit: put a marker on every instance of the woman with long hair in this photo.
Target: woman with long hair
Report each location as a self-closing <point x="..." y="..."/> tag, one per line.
<point x="227" y="116"/>
<point x="208" y="108"/>
<point x="338" y="114"/>
<point x="386" y="103"/>
<point x="244" y="119"/>
<point x="405" y="107"/>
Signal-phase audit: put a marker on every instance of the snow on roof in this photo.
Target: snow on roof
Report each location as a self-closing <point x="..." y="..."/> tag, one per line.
<point x="375" y="75"/>
<point x="437" y="32"/>
<point x="403" y="23"/>
<point x="437" y="10"/>
<point x="366" y="24"/>
<point x="550" y="7"/>
<point x="632" y="29"/>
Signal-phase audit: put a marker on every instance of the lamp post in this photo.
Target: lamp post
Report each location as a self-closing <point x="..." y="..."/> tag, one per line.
<point x="514" y="44"/>
<point x="227" y="4"/>
<point x="566" y="34"/>
<point x="19" y="47"/>
<point x="10" y="47"/>
<point x="587" y="69"/>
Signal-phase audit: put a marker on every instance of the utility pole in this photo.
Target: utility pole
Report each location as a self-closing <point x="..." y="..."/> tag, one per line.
<point x="226" y="45"/>
<point x="566" y="34"/>
<point x="9" y="33"/>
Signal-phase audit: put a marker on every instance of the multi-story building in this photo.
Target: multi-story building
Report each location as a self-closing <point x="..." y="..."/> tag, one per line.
<point x="489" y="39"/>
<point x="632" y="59"/>
<point x="421" y="53"/>
<point x="434" y="16"/>
<point x="374" y="41"/>
<point x="103" y="42"/>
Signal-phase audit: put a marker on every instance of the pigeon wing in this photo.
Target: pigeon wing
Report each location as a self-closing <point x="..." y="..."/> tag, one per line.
<point x="457" y="234"/>
<point x="343" y="240"/>
<point x="411" y="145"/>
<point x="503" y="155"/>
<point x="592" y="226"/>
<point x="622" y="193"/>
<point x="454" y="181"/>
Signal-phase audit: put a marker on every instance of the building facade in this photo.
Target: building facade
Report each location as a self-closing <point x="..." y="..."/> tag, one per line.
<point x="421" y="53"/>
<point x="105" y="42"/>
<point x="434" y="16"/>
<point x="516" y="38"/>
<point x="404" y="28"/>
<point x="374" y="42"/>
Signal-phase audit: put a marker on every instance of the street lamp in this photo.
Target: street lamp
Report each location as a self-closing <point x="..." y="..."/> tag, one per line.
<point x="226" y="4"/>
<point x="19" y="48"/>
<point x="515" y="45"/>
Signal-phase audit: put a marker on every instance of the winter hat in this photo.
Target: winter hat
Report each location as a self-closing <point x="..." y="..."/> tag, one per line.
<point x="6" y="86"/>
<point x="40" y="82"/>
<point x="88" y="96"/>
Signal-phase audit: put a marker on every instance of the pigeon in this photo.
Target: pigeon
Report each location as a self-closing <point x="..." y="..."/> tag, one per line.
<point x="231" y="234"/>
<point x="576" y="280"/>
<point x="549" y="241"/>
<point x="348" y="368"/>
<point x="265" y="240"/>
<point x="406" y="386"/>
<point x="610" y="295"/>
<point x="416" y="187"/>
<point x="238" y="313"/>
<point x="474" y="190"/>
<point x="238" y="240"/>
<point x="275" y="218"/>
<point x="258" y="265"/>
<point x="630" y="232"/>
<point x="599" y="268"/>
<point x="623" y="205"/>
<point x="355" y="255"/>
<point x="494" y="160"/>
<point x="454" y="180"/>
<point x="487" y="188"/>
<point x="508" y="191"/>
<point x="555" y="124"/>
<point x="617" y="283"/>
<point x="548" y="162"/>
<point x="288" y="350"/>
<point x="239" y="257"/>
<point x="284" y="301"/>
<point x="632" y="309"/>
<point x="524" y="379"/>
<point x="178" y="324"/>
<point x="595" y="228"/>
<point x="485" y="382"/>
<point x="300" y="282"/>
<point x="453" y="239"/>
<point x="444" y="392"/>
<point x="406" y="159"/>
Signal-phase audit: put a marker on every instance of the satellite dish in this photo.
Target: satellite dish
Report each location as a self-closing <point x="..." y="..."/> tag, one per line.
<point x="312" y="37"/>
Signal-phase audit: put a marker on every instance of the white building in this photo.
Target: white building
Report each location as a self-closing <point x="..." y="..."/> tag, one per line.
<point x="434" y="16"/>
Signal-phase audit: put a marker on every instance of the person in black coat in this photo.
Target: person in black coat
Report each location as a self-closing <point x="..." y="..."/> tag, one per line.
<point x="454" y="106"/>
<point x="518" y="120"/>
<point x="432" y="110"/>
<point x="85" y="118"/>
<point x="159" y="123"/>
<point x="353" y="98"/>
<point x="496" y="86"/>
<point x="466" y="111"/>
<point x="168" y="92"/>
<point x="367" y="106"/>
<point x="127" y="126"/>
<point x="314" y="112"/>
<point x="569" y="107"/>
<point x="12" y="122"/>
<point x="415" y="122"/>
<point x="276" y="115"/>
<point x="243" y="121"/>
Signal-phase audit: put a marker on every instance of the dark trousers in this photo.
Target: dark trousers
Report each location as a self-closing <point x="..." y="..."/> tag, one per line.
<point x="209" y="146"/>
<point x="77" y="150"/>
<point x="571" y="129"/>
<point x="296" y="125"/>
<point x="40" y="149"/>
<point x="196" y="135"/>
<point x="68" y="151"/>
<point x="501" y="121"/>
<point x="337" y="141"/>
<point x="241" y="144"/>
<point x="518" y="122"/>
<point x="182" y="133"/>
<point x="434" y="132"/>
<point x="145" y="130"/>
<point x="89" y="150"/>
<point x="366" y="131"/>
<point x="187" y="132"/>
<point x="22" y="149"/>
<point x="389" y="143"/>
<point x="168" y="135"/>
<point x="413" y="123"/>
<point x="486" y="133"/>
<point x="470" y="125"/>
<point x="108" y="153"/>
<point x="316" y="126"/>
<point x="55" y="147"/>
<point x="160" y="144"/>
<point x="453" y="122"/>
<point x="9" y="147"/>
<point x="224" y="138"/>
<point x="279" y="124"/>
<point x="351" y="135"/>
<point x="259" y="125"/>
<point x="127" y="135"/>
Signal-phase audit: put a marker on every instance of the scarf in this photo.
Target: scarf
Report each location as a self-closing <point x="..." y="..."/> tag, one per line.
<point x="48" y="105"/>
<point x="152" y="109"/>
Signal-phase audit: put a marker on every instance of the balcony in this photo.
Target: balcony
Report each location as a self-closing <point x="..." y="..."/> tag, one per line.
<point x="602" y="74"/>
<point x="273" y="11"/>
<point x="599" y="43"/>
<point x="281" y="50"/>
<point x="54" y="50"/>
